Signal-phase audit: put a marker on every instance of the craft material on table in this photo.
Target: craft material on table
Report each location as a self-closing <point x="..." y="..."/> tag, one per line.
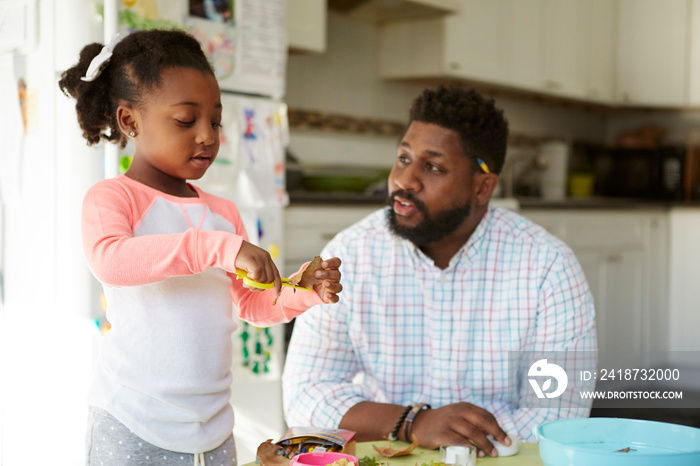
<point x="298" y="440"/>
<point x="528" y="455"/>
<point x="506" y="450"/>
<point x="323" y="458"/>
<point x="242" y="274"/>
<point x="458" y="455"/>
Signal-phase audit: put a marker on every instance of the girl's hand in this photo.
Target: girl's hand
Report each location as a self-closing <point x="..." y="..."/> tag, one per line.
<point x="328" y="277"/>
<point x="259" y="265"/>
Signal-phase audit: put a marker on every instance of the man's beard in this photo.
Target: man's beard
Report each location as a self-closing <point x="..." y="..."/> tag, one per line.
<point x="431" y="229"/>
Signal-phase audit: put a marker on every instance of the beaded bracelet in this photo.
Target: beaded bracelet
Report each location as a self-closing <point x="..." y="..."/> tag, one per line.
<point x="394" y="435"/>
<point x="417" y="407"/>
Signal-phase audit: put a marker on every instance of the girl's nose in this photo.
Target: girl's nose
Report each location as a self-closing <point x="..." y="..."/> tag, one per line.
<point x="206" y="135"/>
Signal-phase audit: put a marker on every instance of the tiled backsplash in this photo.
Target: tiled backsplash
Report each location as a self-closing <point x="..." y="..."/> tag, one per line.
<point x="319" y="138"/>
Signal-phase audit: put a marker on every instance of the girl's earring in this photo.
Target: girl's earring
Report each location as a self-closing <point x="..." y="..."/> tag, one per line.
<point x="132" y="134"/>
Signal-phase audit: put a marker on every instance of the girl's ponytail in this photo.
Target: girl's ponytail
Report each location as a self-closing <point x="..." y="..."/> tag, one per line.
<point x="93" y="99"/>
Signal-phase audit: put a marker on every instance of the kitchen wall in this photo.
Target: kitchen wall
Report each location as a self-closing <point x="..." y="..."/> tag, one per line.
<point x="343" y="81"/>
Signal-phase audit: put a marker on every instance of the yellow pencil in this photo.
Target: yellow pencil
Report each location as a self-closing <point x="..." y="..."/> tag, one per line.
<point x="483" y="165"/>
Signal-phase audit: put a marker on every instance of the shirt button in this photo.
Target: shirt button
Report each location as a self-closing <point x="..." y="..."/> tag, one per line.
<point x="443" y="280"/>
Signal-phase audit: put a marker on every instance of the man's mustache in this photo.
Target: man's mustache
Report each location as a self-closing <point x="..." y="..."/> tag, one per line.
<point x="409" y="196"/>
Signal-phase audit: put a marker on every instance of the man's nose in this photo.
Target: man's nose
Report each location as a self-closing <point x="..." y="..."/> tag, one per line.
<point x="408" y="179"/>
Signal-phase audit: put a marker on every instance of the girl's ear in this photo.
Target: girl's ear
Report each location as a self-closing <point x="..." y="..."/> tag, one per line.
<point x="485" y="183"/>
<point x="126" y="118"/>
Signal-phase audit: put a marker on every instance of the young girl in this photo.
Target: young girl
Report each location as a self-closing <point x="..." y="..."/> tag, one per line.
<point x="166" y="253"/>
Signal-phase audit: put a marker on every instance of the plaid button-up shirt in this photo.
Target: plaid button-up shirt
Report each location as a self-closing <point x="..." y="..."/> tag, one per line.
<point x="407" y="331"/>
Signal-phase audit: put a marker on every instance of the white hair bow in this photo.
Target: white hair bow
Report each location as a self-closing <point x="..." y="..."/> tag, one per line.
<point x="99" y="62"/>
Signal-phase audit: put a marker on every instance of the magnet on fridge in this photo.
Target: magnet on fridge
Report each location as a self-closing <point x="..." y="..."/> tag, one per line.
<point x="274" y="251"/>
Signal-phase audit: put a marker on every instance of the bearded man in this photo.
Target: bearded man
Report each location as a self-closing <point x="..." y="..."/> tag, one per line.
<point x="444" y="299"/>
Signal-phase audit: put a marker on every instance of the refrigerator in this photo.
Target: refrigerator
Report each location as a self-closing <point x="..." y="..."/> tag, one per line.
<point x="51" y="308"/>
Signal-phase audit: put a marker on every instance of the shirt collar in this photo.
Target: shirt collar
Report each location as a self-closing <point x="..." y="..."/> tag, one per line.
<point x="469" y="251"/>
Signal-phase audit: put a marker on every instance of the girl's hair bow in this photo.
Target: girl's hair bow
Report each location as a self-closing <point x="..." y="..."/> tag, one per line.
<point x="98" y="63"/>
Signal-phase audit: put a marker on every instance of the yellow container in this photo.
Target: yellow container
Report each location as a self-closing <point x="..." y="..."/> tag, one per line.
<point x="581" y="184"/>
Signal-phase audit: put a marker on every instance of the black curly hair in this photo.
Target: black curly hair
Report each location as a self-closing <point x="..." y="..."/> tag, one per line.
<point x="134" y="69"/>
<point x="482" y="128"/>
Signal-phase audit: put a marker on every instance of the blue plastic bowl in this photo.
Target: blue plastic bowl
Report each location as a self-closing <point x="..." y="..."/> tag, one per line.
<point x="596" y="441"/>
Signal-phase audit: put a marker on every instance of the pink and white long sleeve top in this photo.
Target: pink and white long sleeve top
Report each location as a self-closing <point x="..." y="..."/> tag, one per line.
<point x="167" y="266"/>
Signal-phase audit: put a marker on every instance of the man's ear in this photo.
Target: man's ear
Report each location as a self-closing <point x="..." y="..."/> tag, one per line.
<point x="486" y="183"/>
<point x="126" y="118"/>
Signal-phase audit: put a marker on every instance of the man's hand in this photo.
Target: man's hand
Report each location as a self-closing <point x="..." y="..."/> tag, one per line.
<point x="456" y="424"/>
<point x="328" y="280"/>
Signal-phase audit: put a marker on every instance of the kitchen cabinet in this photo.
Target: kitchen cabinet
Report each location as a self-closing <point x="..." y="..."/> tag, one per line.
<point x="617" y="284"/>
<point x="684" y="294"/>
<point x="623" y="255"/>
<point x="694" y="55"/>
<point x="382" y="11"/>
<point x="652" y="52"/>
<point x="473" y="44"/>
<point x="558" y="47"/>
<point x="599" y="47"/>
<point x="522" y="38"/>
<point x="563" y="41"/>
<point x="306" y="25"/>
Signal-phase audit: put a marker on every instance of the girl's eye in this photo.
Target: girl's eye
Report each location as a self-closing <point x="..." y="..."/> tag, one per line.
<point x="216" y="125"/>
<point x="185" y="123"/>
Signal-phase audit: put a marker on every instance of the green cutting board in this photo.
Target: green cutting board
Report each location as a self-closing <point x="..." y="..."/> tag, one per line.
<point x="529" y="455"/>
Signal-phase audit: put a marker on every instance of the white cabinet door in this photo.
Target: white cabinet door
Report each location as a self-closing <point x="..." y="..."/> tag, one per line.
<point x="624" y="258"/>
<point x="694" y="54"/>
<point x="616" y="280"/>
<point x="412" y="49"/>
<point x="523" y="43"/>
<point x="651" y="56"/>
<point x="496" y="41"/>
<point x="600" y="40"/>
<point x="556" y="47"/>
<point x="578" y="49"/>
<point x="475" y="39"/>
<point x="564" y="59"/>
<point x="684" y="295"/>
<point x="306" y="25"/>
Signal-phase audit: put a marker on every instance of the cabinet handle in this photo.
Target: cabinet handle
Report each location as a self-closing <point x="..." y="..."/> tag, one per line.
<point x="552" y="85"/>
<point x="613" y="258"/>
